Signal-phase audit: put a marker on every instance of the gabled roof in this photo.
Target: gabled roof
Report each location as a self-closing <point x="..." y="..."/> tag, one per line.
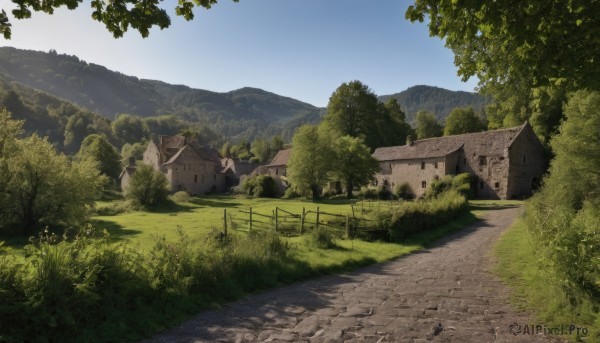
<point x="171" y="148"/>
<point x="129" y="170"/>
<point x="486" y="143"/>
<point x="281" y="159"/>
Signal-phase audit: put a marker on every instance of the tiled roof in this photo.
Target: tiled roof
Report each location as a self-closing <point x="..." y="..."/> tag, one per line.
<point x="487" y="143"/>
<point x="281" y="159"/>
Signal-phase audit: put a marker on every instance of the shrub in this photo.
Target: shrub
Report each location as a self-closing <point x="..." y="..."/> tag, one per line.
<point x="369" y="193"/>
<point x="262" y="186"/>
<point x="383" y="193"/>
<point x="181" y="196"/>
<point x="148" y="187"/>
<point x="404" y="191"/>
<point x="414" y="217"/>
<point x="320" y="238"/>
<point x="460" y="183"/>
<point x="291" y="193"/>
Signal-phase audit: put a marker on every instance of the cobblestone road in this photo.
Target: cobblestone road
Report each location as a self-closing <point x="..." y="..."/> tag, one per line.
<point x="441" y="294"/>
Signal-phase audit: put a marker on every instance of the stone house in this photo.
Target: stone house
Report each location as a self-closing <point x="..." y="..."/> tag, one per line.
<point x="234" y="169"/>
<point x="187" y="165"/>
<point x="505" y="163"/>
<point x="127" y="173"/>
<point x="278" y="166"/>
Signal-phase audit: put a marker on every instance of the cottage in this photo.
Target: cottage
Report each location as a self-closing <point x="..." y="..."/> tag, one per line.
<point x="235" y="168"/>
<point x="278" y="166"/>
<point x="505" y="163"/>
<point x="187" y="165"/>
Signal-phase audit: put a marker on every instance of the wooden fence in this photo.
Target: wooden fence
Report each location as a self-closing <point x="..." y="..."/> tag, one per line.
<point x="294" y="224"/>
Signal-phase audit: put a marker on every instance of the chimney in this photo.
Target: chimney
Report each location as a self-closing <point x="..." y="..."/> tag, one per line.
<point x="131" y="161"/>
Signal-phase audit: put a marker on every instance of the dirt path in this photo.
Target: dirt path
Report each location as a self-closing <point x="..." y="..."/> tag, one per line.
<point x="399" y="301"/>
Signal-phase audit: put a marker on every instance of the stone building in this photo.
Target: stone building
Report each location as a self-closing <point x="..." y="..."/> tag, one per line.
<point x="278" y="166"/>
<point x="234" y="169"/>
<point x="187" y="165"/>
<point x="505" y="163"/>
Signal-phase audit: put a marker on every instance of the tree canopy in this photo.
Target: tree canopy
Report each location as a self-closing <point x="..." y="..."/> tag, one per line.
<point x="427" y="126"/>
<point x="463" y="120"/>
<point x="98" y="149"/>
<point x="310" y="165"/>
<point x="353" y="163"/>
<point x="116" y="15"/>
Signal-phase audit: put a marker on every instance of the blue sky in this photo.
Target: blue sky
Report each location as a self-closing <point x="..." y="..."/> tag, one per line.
<point x="303" y="49"/>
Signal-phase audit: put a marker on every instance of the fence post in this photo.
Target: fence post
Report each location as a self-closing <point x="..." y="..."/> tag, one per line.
<point x="225" y="221"/>
<point x="347" y="227"/>
<point x="317" y="223"/>
<point x="276" y="218"/>
<point x="250" y="219"/>
<point x="302" y="221"/>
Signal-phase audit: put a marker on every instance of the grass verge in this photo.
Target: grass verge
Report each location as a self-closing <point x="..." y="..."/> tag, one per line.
<point x="533" y="290"/>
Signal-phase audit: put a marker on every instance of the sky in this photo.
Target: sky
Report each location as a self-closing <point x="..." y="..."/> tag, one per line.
<point x="303" y="49"/>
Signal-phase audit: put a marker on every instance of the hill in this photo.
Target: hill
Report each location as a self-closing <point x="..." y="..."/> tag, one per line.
<point x="437" y="100"/>
<point x="242" y="113"/>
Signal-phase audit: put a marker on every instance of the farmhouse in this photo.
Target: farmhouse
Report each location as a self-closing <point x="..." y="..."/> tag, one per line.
<point x="278" y="166"/>
<point x="187" y="165"/>
<point x="506" y="163"/>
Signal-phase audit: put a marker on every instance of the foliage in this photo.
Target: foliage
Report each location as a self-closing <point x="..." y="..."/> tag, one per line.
<point x="426" y="126"/>
<point x="310" y="162"/>
<point x="404" y="191"/>
<point x="355" y="111"/>
<point x="135" y="150"/>
<point x="181" y="196"/>
<point x="320" y="238"/>
<point x="39" y="187"/>
<point x="117" y="16"/>
<point x="563" y="215"/>
<point x="98" y="149"/>
<point x="463" y="120"/>
<point x="129" y="129"/>
<point x="147" y="186"/>
<point x="354" y="163"/>
<point x="414" y="217"/>
<point x="262" y="186"/>
<point x="461" y="183"/>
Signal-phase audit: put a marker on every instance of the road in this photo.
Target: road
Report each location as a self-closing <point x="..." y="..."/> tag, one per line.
<point x="442" y="294"/>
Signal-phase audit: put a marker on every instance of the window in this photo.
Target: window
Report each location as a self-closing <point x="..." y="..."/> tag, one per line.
<point x="385" y="182"/>
<point x="184" y="167"/>
<point x="481" y="184"/>
<point x="435" y="165"/>
<point x="497" y="185"/>
<point x="423" y="184"/>
<point x="390" y="167"/>
<point x="196" y="178"/>
<point x="482" y="160"/>
<point x="464" y="161"/>
<point x="276" y="171"/>
<point x="523" y="159"/>
<point x="422" y="165"/>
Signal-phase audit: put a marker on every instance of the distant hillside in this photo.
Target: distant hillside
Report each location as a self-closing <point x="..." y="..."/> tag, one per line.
<point x="437" y="100"/>
<point x="243" y="113"/>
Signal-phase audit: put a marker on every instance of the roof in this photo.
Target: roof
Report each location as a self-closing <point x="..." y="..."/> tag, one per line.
<point x="486" y="143"/>
<point x="171" y="147"/>
<point x="129" y="170"/>
<point x="281" y="159"/>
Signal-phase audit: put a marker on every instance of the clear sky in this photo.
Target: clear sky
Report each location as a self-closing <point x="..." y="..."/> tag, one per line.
<point x="303" y="49"/>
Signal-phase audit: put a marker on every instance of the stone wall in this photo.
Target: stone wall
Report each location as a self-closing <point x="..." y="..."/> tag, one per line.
<point x="152" y="156"/>
<point x="490" y="173"/>
<point x="418" y="173"/>
<point x="527" y="165"/>
<point x="193" y="175"/>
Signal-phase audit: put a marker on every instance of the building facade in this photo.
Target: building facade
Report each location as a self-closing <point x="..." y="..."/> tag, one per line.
<point x="505" y="164"/>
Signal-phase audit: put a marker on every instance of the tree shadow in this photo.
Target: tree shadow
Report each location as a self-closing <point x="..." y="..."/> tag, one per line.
<point x="212" y="202"/>
<point x="116" y="231"/>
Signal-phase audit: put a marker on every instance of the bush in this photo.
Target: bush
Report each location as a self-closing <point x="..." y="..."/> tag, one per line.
<point x="404" y="191"/>
<point x="369" y="193"/>
<point x="262" y="186"/>
<point x="320" y="238"/>
<point x="291" y="193"/>
<point x="148" y="187"/>
<point x="181" y="196"/>
<point x="461" y="183"/>
<point x="413" y="217"/>
<point x="383" y="193"/>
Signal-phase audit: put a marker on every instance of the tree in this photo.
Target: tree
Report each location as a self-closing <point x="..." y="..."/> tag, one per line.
<point x="98" y="149"/>
<point x="39" y="187"/>
<point x="148" y="187"/>
<point x="352" y="110"/>
<point x="129" y="129"/>
<point x="116" y="15"/>
<point x="135" y="150"/>
<point x="527" y="54"/>
<point x="260" y="148"/>
<point x="353" y="163"/>
<point x="396" y="128"/>
<point x="463" y="120"/>
<point x="427" y="125"/>
<point x="311" y="163"/>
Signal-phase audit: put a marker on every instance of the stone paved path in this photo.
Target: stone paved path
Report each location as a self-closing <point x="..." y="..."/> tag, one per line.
<point x="441" y="294"/>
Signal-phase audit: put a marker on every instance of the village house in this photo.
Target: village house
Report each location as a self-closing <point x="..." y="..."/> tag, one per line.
<point x="187" y="165"/>
<point x="234" y="169"/>
<point x="505" y="163"/>
<point x="278" y="166"/>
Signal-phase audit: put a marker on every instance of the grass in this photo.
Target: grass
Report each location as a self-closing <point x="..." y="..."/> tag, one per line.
<point x="532" y="287"/>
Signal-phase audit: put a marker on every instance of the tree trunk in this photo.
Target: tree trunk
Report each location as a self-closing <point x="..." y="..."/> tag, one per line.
<point x="315" y="192"/>
<point x="349" y="188"/>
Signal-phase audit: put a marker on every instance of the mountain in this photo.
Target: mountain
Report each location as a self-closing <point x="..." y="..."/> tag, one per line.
<point x="242" y="113"/>
<point x="437" y="100"/>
